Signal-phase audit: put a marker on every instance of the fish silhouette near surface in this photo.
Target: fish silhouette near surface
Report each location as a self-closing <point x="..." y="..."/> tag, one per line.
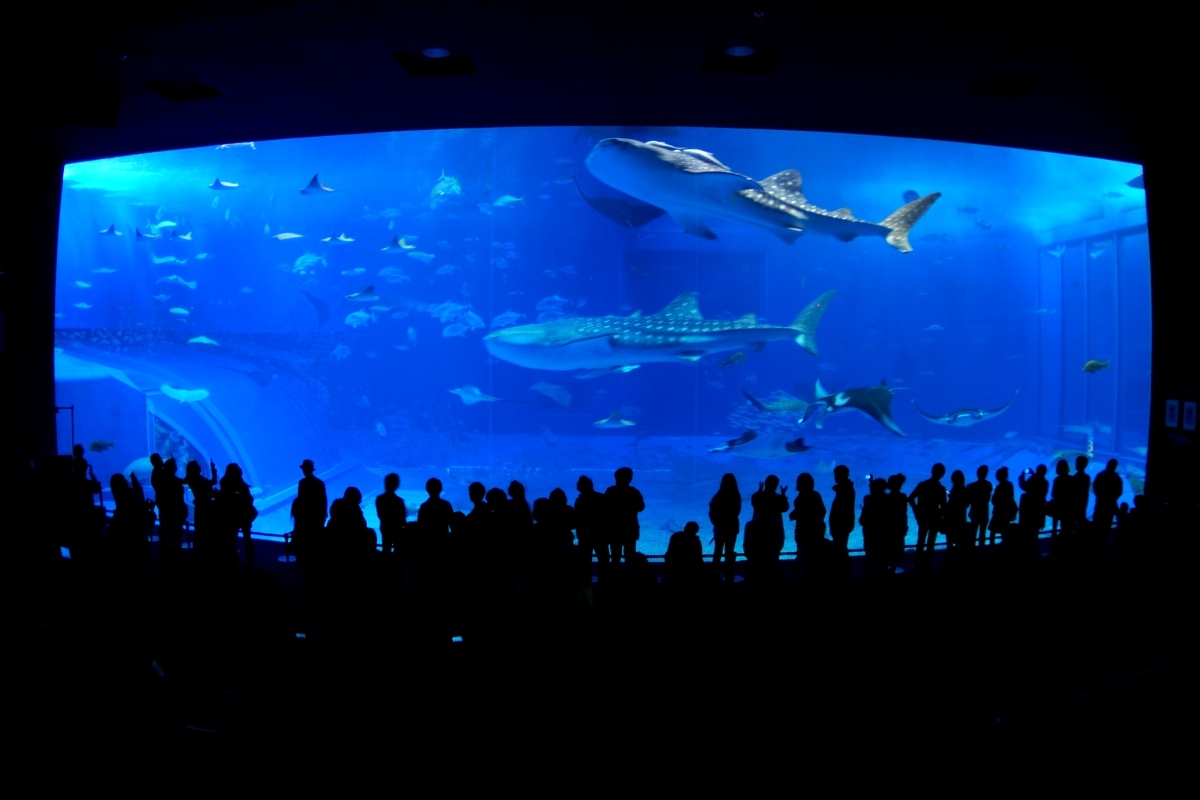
<point x="875" y="402"/>
<point x="677" y="333"/>
<point x="692" y="186"/>
<point x="964" y="417"/>
<point x="751" y="445"/>
<point x="1094" y="366"/>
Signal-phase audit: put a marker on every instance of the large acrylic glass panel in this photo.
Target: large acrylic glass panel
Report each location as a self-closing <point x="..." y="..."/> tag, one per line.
<point x="223" y="303"/>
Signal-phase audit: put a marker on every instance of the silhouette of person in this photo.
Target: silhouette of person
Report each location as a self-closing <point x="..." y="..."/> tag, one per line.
<point x="623" y="502"/>
<point x="764" y="532"/>
<point x="980" y="494"/>
<point x="434" y="518"/>
<point x="172" y="510"/>
<point x="685" y="557"/>
<point x="127" y="528"/>
<point x="724" y="512"/>
<point x="1004" y="506"/>
<point x="808" y="512"/>
<point x="954" y="518"/>
<point x="1083" y="484"/>
<point x="237" y="510"/>
<point x="349" y="540"/>
<point x="897" y="525"/>
<point x="309" y="510"/>
<point x="1108" y="488"/>
<point x="874" y="523"/>
<point x="393" y="517"/>
<point x="1061" y="506"/>
<point x="928" y="501"/>
<point x="841" y="511"/>
<point x="202" y="501"/>
<point x="589" y="525"/>
<point x="1032" y="509"/>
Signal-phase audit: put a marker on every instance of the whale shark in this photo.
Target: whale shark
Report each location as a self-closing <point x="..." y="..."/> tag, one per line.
<point x="692" y="185"/>
<point x="677" y="333"/>
<point x="875" y="402"/>
<point x="751" y="445"/>
<point x="964" y="417"/>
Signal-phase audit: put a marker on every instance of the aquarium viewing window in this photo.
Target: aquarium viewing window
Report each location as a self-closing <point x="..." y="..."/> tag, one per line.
<point x="538" y="304"/>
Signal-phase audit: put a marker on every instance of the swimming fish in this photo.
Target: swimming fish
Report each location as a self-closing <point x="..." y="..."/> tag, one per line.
<point x="357" y="319"/>
<point x="82" y="305"/>
<point x="220" y="184"/>
<point x="103" y="271"/>
<point x="379" y="429"/>
<point x="183" y="237"/>
<point x="398" y="245"/>
<point x="692" y="185"/>
<point x="184" y="395"/>
<point x="732" y="360"/>
<point x="315" y="187"/>
<point x="83" y="284"/>
<point x="424" y="258"/>
<point x="144" y="236"/>
<point x="355" y="271"/>
<point x="875" y="402"/>
<point x="322" y="308"/>
<point x="507" y="200"/>
<point x="677" y="333"/>
<point x="751" y="445"/>
<point x="367" y="292"/>
<point x="614" y="420"/>
<point x="180" y="312"/>
<point x="162" y="298"/>
<point x="283" y="237"/>
<point x="339" y="239"/>
<point x="456" y="329"/>
<point x="786" y="405"/>
<point x="178" y="281"/>
<point x="445" y="187"/>
<point x="1093" y="366"/>
<point x="470" y="395"/>
<point x="964" y="417"/>
<point x="558" y="394"/>
<point x="100" y="445"/>
<point x="111" y="230"/>
<point x="203" y="340"/>
<point x="507" y="319"/>
<point x="340" y="352"/>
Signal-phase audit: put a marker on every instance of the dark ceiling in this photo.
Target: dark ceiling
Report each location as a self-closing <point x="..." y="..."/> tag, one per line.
<point x="106" y="81"/>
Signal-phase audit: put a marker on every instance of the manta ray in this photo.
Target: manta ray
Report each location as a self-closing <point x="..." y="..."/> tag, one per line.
<point x="470" y="395"/>
<point x="315" y="187"/>
<point x="692" y="185"/>
<point x="964" y="417"/>
<point x="677" y="333"/>
<point x="787" y="405"/>
<point x="751" y="445"/>
<point x="875" y="402"/>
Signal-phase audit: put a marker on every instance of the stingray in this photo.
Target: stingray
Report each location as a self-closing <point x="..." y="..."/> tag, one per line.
<point x="875" y="402"/>
<point x="470" y="395"/>
<point x="786" y="405"/>
<point x="751" y="445"/>
<point x="220" y="184"/>
<point x="320" y="305"/>
<point x="315" y="187"/>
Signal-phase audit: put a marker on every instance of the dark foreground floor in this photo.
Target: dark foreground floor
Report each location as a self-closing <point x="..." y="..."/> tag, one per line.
<point x="1060" y="650"/>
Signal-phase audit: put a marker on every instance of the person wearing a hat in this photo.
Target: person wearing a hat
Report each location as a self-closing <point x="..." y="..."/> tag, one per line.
<point x="309" y="510"/>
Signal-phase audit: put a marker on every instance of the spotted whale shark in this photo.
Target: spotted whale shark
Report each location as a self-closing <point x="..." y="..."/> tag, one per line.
<point x="964" y="417"/>
<point x="874" y="401"/>
<point x="677" y="333"/>
<point x="693" y="186"/>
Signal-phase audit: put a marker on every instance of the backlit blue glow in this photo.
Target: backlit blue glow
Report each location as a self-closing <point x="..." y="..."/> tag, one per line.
<point x="221" y="303"/>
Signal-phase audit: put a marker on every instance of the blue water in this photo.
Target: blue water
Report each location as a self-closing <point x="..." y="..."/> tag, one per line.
<point x="1029" y="265"/>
